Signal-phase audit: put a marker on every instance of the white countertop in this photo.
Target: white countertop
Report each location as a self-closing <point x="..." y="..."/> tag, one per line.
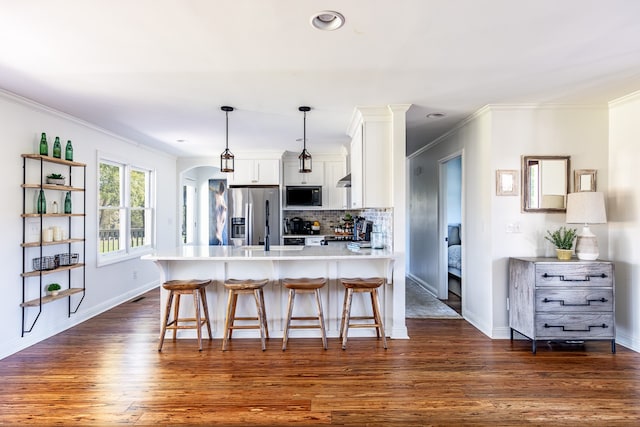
<point x="277" y="252"/>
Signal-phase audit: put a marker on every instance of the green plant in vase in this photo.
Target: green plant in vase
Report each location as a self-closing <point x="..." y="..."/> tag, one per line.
<point x="53" y="288"/>
<point x="562" y="239"/>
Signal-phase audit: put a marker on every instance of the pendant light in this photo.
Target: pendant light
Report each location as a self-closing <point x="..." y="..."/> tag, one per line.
<point x="305" y="157"/>
<point x="226" y="158"/>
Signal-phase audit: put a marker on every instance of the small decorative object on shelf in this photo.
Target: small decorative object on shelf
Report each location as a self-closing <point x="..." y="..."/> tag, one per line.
<point x="53" y="289"/>
<point x="57" y="148"/>
<point x="41" y="207"/>
<point x="54" y="207"/>
<point x="44" y="146"/>
<point x="68" y="151"/>
<point x="67" y="203"/>
<point x="55" y="178"/>
<point x="562" y="239"/>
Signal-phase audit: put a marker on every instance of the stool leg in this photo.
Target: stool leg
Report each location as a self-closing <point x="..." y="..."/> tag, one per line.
<point x="176" y="314"/>
<point x="196" y="305"/>
<point x="264" y="312"/>
<point x="378" y="317"/>
<point x="203" y="297"/>
<point x="167" y="312"/>
<point x="285" y="337"/>
<point x="321" y="318"/>
<point x="234" y="304"/>
<point x="345" y="316"/>
<point x="261" y="317"/>
<point x="372" y="294"/>
<point x="344" y="308"/>
<point x="228" y="321"/>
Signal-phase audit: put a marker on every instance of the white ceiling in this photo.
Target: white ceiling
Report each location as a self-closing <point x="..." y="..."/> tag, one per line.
<point x="157" y="71"/>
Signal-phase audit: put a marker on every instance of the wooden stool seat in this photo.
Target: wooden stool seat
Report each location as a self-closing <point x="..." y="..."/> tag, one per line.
<point x="304" y="285"/>
<point x="245" y="286"/>
<point x="360" y="285"/>
<point x="176" y="288"/>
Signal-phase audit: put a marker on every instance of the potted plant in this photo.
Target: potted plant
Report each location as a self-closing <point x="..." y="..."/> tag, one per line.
<point x="55" y="178"/>
<point x="562" y="239"/>
<point x="53" y="289"/>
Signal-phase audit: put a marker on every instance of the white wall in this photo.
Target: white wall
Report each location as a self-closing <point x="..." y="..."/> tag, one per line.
<point x="623" y="208"/>
<point x="495" y="138"/>
<point x="107" y="286"/>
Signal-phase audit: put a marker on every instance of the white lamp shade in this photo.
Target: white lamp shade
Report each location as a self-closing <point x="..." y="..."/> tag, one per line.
<point x="586" y="207"/>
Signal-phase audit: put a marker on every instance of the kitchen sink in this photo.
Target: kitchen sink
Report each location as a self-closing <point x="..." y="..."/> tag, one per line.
<point x="272" y="247"/>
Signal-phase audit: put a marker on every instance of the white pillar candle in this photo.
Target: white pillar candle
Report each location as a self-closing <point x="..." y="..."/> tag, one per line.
<point x="47" y="235"/>
<point x="57" y="234"/>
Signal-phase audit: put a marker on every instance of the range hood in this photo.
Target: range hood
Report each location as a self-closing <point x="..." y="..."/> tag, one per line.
<point x="344" y="182"/>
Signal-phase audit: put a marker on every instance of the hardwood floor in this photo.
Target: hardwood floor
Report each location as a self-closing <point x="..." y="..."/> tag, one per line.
<point x="107" y="371"/>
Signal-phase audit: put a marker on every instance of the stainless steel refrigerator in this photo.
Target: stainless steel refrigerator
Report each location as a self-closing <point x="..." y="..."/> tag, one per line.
<point x="248" y="215"/>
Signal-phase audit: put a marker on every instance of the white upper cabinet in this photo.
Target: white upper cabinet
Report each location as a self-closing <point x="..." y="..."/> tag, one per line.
<point x="255" y="172"/>
<point x="292" y="176"/>
<point x="334" y="197"/>
<point x="371" y="163"/>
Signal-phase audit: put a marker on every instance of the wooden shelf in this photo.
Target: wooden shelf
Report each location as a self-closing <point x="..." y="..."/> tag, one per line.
<point x="60" y="215"/>
<point x="49" y="298"/>
<point x="52" y="160"/>
<point x="52" y="187"/>
<point x="55" y="270"/>
<point x="57" y="242"/>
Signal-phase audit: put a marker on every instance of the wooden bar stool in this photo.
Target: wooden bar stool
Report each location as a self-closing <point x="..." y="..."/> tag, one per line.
<point x="248" y="286"/>
<point x="186" y="287"/>
<point x="360" y="285"/>
<point x="309" y="286"/>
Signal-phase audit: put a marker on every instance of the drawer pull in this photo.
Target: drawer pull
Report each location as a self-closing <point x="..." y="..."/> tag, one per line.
<point x="586" y="278"/>
<point x="561" y="301"/>
<point x="565" y="329"/>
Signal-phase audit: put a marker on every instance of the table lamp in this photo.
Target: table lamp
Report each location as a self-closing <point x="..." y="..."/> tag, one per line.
<point x="586" y="208"/>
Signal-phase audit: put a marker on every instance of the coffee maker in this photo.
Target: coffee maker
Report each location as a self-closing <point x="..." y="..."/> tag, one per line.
<point x="362" y="229"/>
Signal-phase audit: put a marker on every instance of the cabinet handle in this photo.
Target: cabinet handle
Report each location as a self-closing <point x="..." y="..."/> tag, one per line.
<point x="565" y="329"/>
<point x="589" y="301"/>
<point x="587" y="278"/>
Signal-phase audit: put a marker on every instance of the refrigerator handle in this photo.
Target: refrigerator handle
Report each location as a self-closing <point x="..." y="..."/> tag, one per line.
<point x="248" y="214"/>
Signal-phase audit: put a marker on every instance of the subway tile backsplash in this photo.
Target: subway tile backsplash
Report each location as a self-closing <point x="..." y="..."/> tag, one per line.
<point x="329" y="219"/>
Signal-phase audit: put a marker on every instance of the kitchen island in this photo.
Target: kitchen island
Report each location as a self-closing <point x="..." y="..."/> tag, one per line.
<point x="253" y="262"/>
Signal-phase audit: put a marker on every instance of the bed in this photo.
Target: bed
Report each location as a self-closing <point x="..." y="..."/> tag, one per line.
<point x="455" y="249"/>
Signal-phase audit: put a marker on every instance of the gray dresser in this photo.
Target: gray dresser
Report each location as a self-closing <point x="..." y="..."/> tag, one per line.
<point x="557" y="300"/>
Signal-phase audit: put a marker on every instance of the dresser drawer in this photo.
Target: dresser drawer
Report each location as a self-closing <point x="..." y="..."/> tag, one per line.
<point x="574" y="274"/>
<point x="574" y="326"/>
<point x="574" y="300"/>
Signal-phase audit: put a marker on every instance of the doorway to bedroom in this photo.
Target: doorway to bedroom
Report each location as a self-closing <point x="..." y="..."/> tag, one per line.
<point x="451" y="220"/>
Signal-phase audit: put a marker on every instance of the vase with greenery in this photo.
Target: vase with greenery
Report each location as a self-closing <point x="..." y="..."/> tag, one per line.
<point x="55" y="178"/>
<point x="53" y="289"/>
<point x="562" y="239"/>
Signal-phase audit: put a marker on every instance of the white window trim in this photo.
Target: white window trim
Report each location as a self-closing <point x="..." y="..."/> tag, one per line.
<point x="128" y="252"/>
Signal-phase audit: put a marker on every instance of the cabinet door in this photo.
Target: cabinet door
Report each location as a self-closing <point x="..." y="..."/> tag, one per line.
<point x="243" y="173"/>
<point x="376" y="165"/>
<point x="292" y="176"/>
<point x="334" y="197"/>
<point x="356" y="169"/>
<point x="267" y="171"/>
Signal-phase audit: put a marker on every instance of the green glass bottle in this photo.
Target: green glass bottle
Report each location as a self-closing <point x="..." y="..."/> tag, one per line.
<point x="68" y="152"/>
<point x="44" y="146"/>
<point x="57" y="148"/>
<point x="41" y="207"/>
<point x="67" y="203"/>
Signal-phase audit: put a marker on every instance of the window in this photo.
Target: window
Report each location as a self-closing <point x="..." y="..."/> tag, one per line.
<point x="125" y="211"/>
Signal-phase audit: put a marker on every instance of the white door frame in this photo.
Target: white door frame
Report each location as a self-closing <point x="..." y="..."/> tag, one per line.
<point x="443" y="268"/>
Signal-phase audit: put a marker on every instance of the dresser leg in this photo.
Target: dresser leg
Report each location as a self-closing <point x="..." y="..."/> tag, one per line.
<point x="613" y="346"/>
<point x="533" y="346"/>
<point x="511" y="332"/>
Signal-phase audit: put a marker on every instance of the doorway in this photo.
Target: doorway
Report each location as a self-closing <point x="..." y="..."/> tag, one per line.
<point x="450" y="289"/>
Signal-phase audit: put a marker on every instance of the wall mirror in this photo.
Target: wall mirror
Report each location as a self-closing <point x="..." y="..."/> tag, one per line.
<point x="545" y="183"/>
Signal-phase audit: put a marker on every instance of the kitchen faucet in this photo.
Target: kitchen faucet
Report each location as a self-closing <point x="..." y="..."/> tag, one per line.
<point x="266" y="227"/>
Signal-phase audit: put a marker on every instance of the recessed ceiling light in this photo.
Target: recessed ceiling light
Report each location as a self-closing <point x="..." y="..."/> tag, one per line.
<point x="180" y="141"/>
<point x="435" y="115"/>
<point x="327" y="20"/>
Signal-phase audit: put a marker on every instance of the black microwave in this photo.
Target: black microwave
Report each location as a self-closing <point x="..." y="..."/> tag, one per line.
<point x="303" y="196"/>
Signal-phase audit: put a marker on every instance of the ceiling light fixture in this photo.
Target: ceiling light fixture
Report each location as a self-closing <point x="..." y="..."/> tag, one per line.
<point x="305" y="157"/>
<point x="435" y="115"/>
<point x="327" y="20"/>
<point x="226" y="158"/>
